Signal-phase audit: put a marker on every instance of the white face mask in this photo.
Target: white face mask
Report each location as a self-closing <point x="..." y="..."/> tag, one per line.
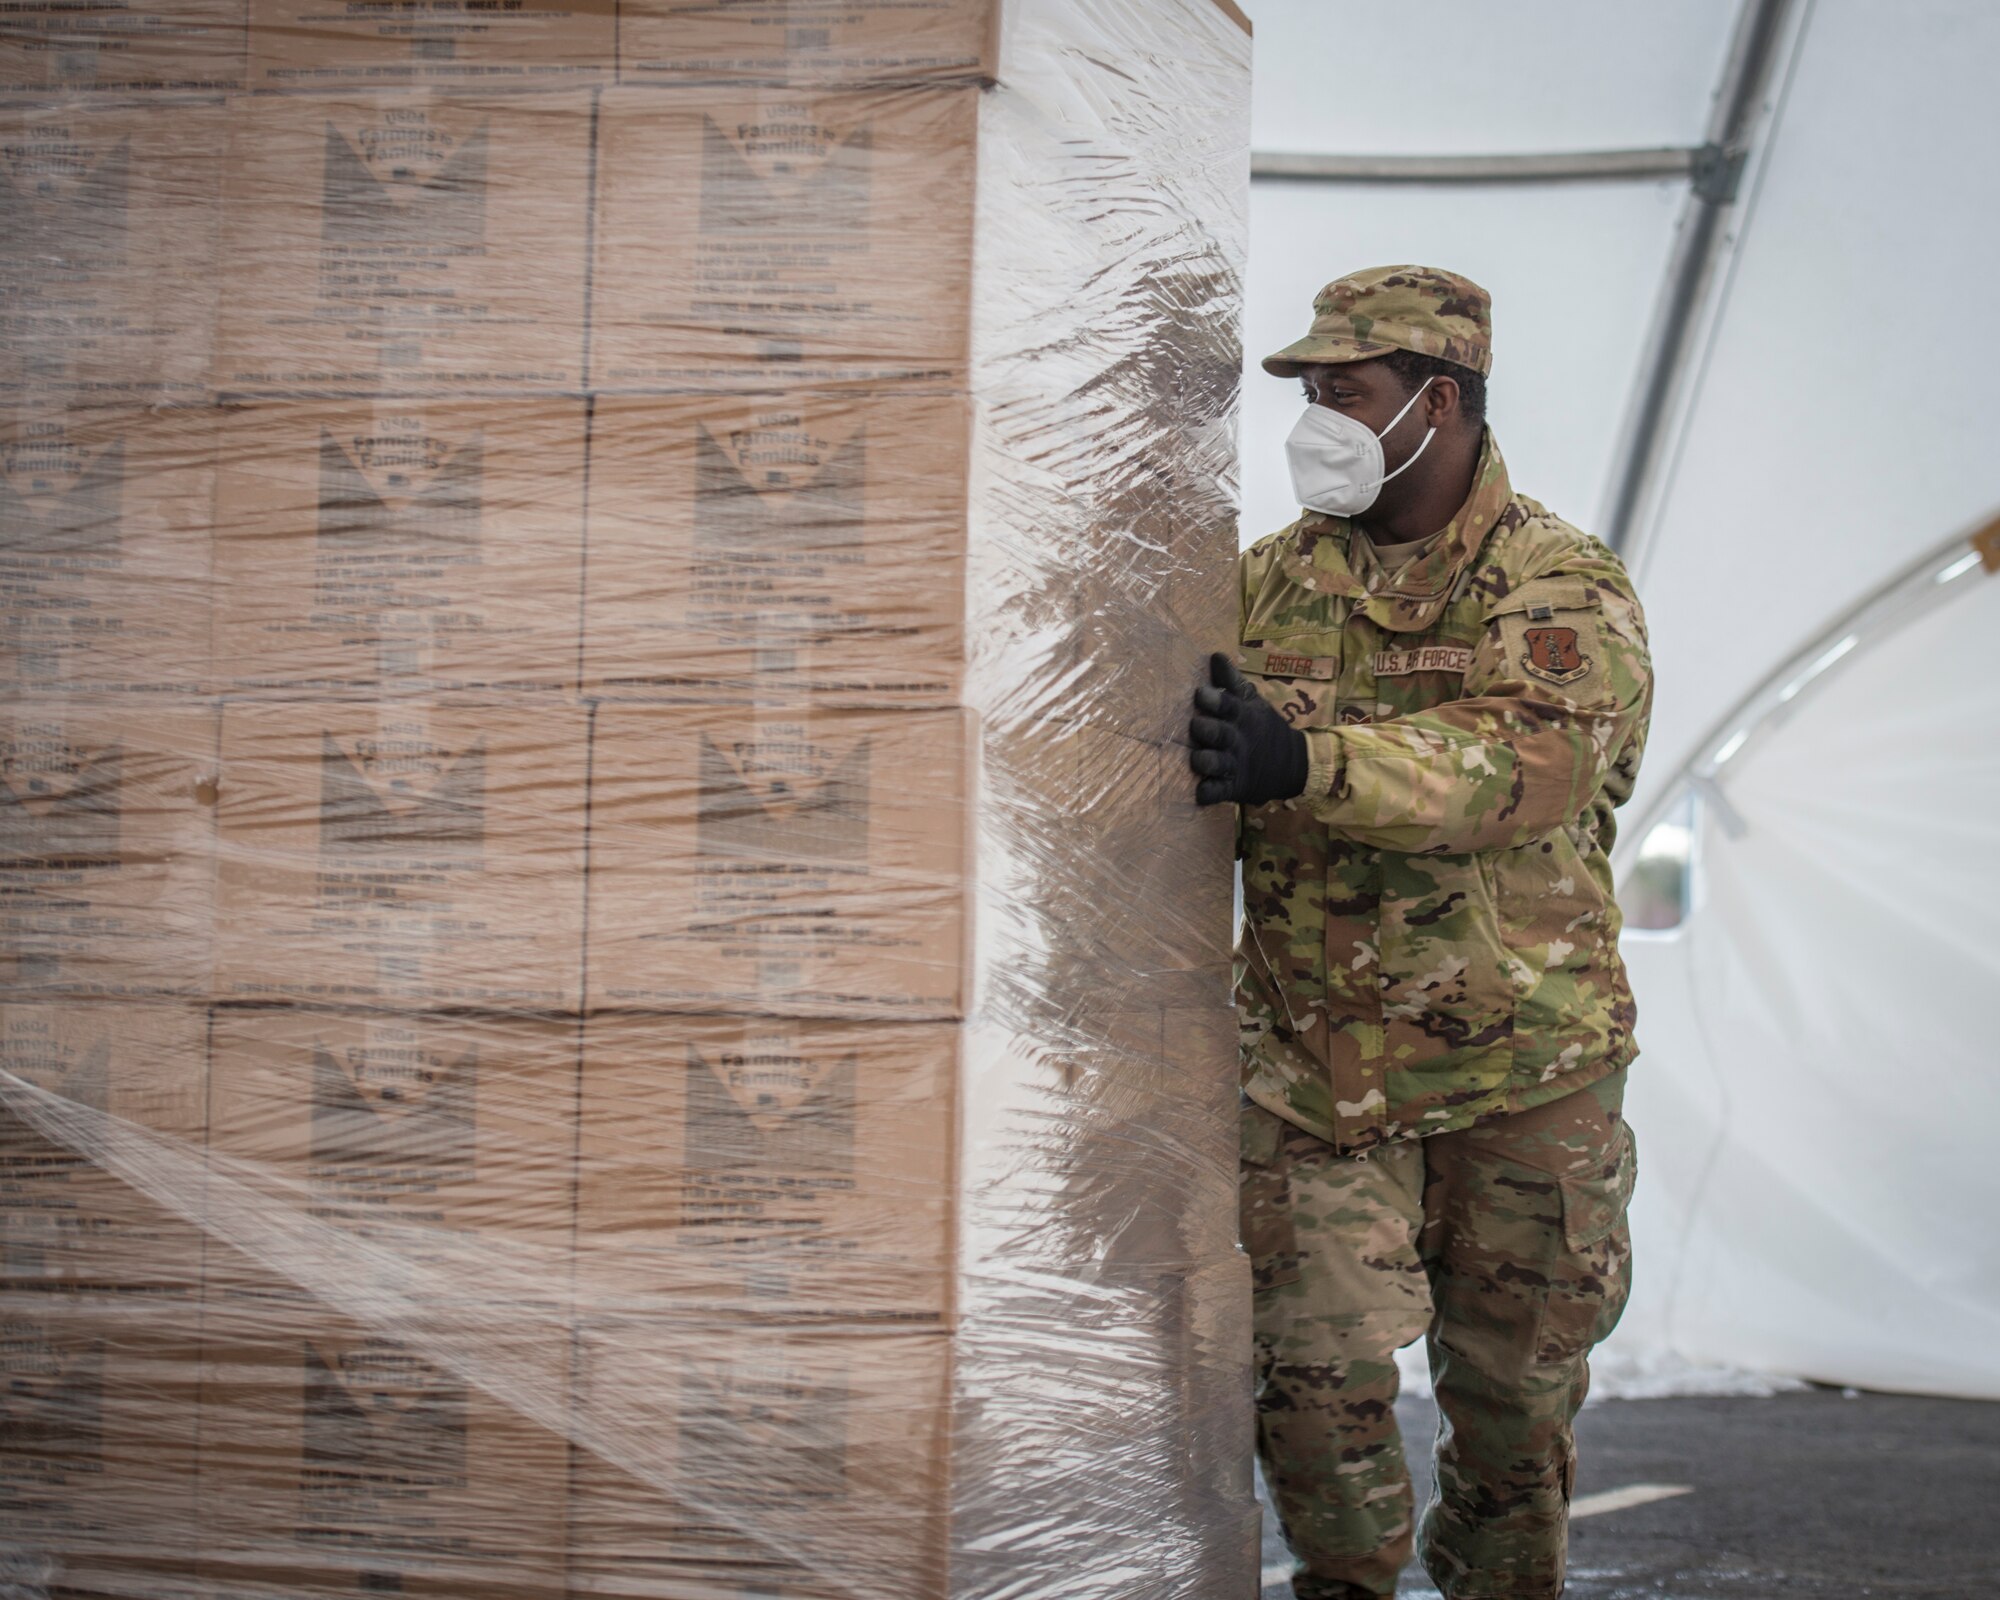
<point x="1337" y="463"/>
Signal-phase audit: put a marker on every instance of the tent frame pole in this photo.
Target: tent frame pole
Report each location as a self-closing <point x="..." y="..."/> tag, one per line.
<point x="1563" y="166"/>
<point x="1689" y="287"/>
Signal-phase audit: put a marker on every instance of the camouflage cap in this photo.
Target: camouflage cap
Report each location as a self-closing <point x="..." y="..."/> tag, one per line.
<point x="1369" y="314"/>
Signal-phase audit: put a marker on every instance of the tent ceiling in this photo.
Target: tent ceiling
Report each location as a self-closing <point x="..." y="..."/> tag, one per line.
<point x="1465" y="76"/>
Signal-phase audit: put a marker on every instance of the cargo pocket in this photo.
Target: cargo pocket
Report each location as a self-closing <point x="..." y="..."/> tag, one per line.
<point x="1265" y="1200"/>
<point x="1590" y="1284"/>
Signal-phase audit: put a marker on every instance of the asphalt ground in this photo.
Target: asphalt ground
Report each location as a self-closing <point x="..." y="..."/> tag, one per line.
<point x="1826" y="1493"/>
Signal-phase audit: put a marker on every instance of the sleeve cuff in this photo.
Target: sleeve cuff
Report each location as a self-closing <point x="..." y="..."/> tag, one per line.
<point x="1323" y="763"/>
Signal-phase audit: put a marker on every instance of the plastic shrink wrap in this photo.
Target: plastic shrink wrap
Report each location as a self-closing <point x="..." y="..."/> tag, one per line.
<point x="609" y="983"/>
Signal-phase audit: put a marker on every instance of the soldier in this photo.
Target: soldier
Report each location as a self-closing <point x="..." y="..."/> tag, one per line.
<point x="1439" y="695"/>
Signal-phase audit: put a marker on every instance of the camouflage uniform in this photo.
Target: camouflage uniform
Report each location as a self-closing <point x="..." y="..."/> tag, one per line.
<point x="1435" y="1018"/>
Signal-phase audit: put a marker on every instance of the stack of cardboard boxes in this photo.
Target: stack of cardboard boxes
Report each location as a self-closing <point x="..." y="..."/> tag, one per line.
<point x="490" y="805"/>
<point x="107" y="765"/>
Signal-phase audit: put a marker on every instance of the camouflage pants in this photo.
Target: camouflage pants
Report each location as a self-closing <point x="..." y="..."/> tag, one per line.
<point x="1506" y="1245"/>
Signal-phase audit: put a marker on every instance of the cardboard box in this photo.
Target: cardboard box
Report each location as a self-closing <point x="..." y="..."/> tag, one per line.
<point x="53" y="47"/>
<point x="395" y="242"/>
<point x="104" y="549"/>
<point x="325" y="44"/>
<point x="393" y="546"/>
<point x="806" y="41"/>
<point x="405" y="852"/>
<point x="105" y="830"/>
<point x="1128" y="928"/>
<point x="108" y="228"/>
<point x="1153" y="1134"/>
<point x="776" y="546"/>
<point x="800" y="1169"/>
<point x="1141" y="629"/>
<point x="766" y="239"/>
<point x="715" y="1461"/>
<point x="449" y="1140"/>
<point x="386" y="1317"/>
<point x="97" y="1437"/>
<point x="815" y="42"/>
<point x="336" y="1459"/>
<point x="793" y="863"/>
<point x="66" y="1222"/>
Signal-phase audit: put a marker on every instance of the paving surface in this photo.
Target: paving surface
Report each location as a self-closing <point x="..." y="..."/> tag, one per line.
<point x="1818" y="1494"/>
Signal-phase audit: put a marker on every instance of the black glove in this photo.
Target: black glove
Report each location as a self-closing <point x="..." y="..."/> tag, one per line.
<point x="1242" y="748"/>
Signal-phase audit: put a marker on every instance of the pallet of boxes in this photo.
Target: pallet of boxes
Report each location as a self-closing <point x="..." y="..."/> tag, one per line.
<point x="608" y="984"/>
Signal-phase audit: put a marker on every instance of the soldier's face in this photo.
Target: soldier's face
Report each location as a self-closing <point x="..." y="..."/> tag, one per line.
<point x="1371" y="394"/>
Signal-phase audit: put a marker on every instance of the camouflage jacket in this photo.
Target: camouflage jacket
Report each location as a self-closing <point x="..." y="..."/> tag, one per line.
<point x="1429" y="933"/>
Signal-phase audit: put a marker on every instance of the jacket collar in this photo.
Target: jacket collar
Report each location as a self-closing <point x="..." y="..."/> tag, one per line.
<point x="1320" y="554"/>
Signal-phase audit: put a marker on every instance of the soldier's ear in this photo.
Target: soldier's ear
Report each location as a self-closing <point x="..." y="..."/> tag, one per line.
<point x="1441" y="402"/>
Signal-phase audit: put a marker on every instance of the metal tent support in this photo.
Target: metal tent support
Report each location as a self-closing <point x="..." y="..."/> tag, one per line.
<point x="1692" y="270"/>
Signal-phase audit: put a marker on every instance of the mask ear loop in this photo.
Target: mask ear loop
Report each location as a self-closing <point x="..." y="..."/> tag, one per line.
<point x="1429" y="434"/>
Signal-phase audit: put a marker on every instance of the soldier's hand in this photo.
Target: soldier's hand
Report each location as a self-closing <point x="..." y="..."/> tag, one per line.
<point x="1241" y="749"/>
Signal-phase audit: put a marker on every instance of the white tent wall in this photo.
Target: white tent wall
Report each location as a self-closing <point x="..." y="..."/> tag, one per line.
<point x="1814" y="1102"/>
<point x="1817" y="1110"/>
<point x="1817" y="1098"/>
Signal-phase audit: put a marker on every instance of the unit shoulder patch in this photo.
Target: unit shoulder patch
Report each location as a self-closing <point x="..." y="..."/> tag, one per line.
<point x="1553" y="654"/>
